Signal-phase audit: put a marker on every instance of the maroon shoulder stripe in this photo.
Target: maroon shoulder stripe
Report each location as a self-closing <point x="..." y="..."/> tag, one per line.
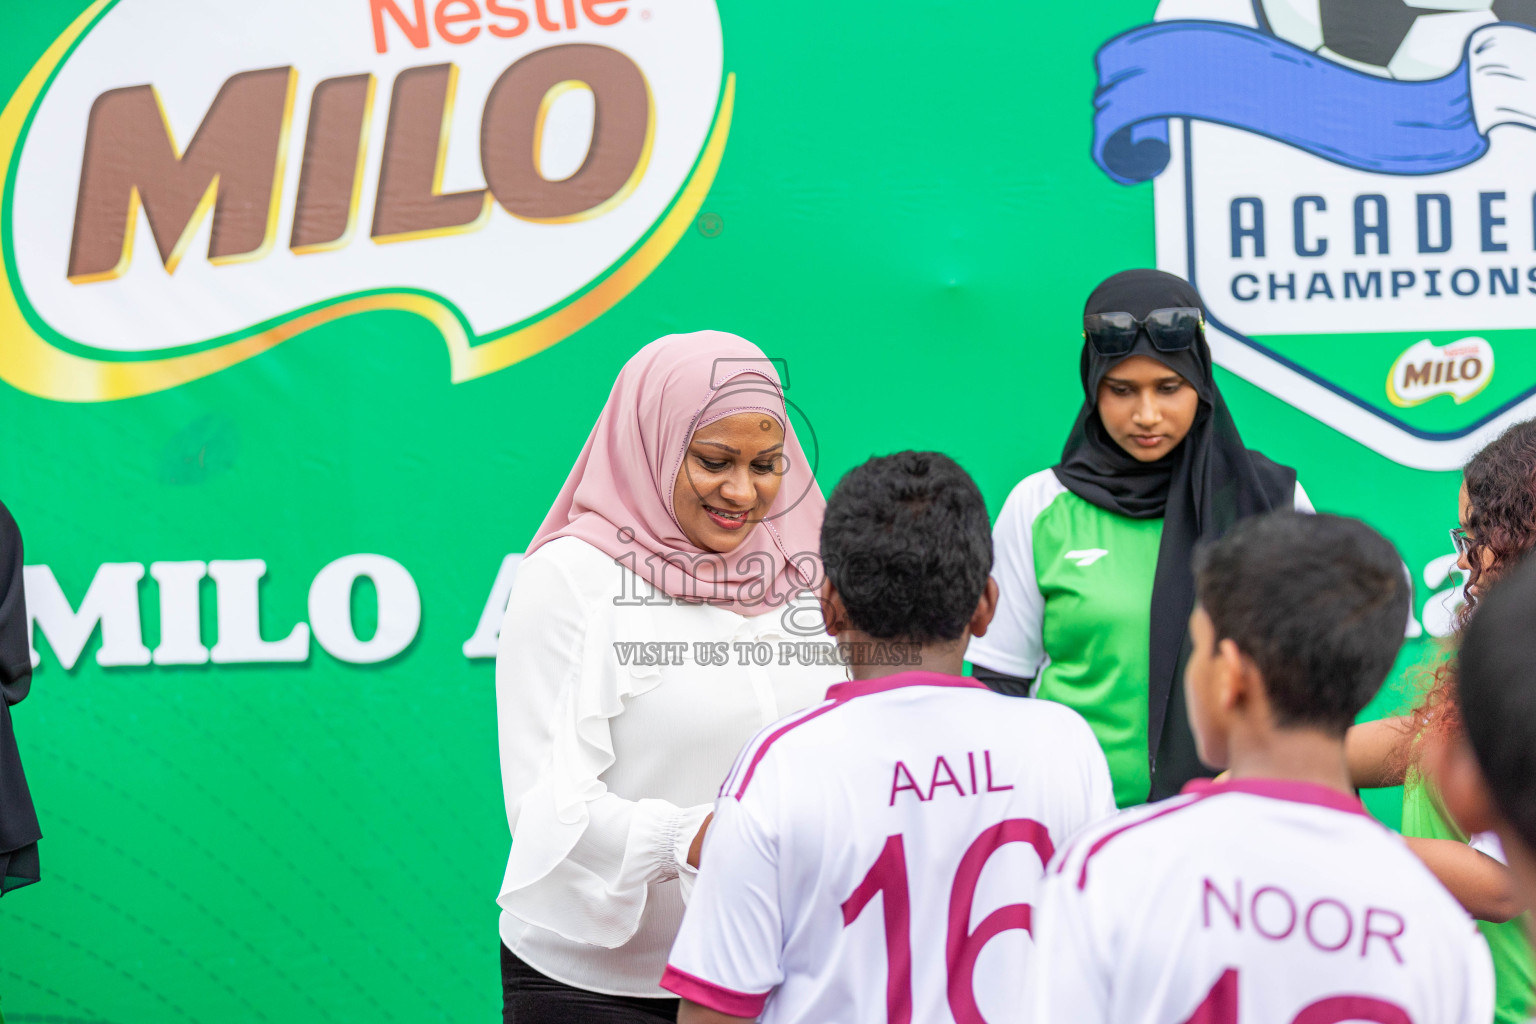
<point x="1082" y="878"/>
<point x="762" y="748"/>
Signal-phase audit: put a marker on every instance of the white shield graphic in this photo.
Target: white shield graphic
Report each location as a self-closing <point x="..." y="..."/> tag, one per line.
<point x="1353" y="199"/>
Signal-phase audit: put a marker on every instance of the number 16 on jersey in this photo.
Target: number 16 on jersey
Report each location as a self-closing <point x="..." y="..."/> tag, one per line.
<point x="887" y="878"/>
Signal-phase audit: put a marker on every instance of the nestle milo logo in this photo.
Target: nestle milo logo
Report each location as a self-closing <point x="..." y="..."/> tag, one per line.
<point x="232" y="166"/>
<point x="1461" y="369"/>
<point x="508" y="170"/>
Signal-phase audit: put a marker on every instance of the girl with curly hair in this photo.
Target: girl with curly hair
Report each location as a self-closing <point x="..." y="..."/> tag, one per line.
<point x="1497" y="526"/>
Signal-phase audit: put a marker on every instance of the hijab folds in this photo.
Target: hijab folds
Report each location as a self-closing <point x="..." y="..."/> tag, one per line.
<point x="1200" y="489"/>
<point x="619" y="496"/>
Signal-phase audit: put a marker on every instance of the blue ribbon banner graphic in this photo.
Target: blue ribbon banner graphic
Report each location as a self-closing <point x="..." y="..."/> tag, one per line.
<point x="1247" y="79"/>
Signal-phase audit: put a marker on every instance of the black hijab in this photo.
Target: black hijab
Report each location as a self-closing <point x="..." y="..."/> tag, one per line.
<point x="1199" y="489"/>
<point x="19" y="831"/>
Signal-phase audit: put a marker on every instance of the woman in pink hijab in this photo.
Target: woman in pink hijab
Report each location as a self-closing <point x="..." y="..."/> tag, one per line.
<point x="661" y="618"/>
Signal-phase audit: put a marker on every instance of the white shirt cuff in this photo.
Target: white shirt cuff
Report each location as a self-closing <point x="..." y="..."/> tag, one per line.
<point x="659" y="837"/>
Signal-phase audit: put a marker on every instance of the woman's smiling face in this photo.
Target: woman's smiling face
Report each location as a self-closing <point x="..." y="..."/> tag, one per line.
<point x="1146" y="408"/>
<point x="730" y="476"/>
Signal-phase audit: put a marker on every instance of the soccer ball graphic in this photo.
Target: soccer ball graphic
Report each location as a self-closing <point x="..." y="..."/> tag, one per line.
<point x="1410" y="40"/>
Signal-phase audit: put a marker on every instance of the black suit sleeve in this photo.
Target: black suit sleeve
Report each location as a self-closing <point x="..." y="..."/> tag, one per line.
<point x="19" y="831"/>
<point x="1001" y="682"/>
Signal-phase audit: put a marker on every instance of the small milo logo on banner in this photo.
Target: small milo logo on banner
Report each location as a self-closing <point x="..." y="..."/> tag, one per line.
<point x="1348" y="184"/>
<point x="507" y="169"/>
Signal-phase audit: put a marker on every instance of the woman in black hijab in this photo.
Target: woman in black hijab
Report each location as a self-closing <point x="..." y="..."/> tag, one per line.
<point x="1093" y="554"/>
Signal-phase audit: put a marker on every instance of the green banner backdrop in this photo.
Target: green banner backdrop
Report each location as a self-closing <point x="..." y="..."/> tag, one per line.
<point x="298" y="346"/>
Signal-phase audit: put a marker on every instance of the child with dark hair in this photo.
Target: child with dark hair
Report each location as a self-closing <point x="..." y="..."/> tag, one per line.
<point x="1488" y="777"/>
<point x="854" y="844"/>
<point x="1271" y="895"/>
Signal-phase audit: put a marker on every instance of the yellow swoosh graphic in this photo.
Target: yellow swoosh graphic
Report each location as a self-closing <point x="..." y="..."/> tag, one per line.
<point x="29" y="363"/>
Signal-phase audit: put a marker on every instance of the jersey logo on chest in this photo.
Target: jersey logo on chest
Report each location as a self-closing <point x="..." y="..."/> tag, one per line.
<point x="1085" y="557"/>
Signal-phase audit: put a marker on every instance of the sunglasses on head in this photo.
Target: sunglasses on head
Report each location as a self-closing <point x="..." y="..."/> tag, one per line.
<point x="1172" y="330"/>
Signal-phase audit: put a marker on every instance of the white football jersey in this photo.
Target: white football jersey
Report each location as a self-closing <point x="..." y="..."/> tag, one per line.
<point x="1252" y="902"/>
<point x="875" y="858"/>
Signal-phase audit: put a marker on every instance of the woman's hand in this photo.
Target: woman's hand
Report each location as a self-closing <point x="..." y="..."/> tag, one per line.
<point x="697" y="846"/>
<point x="690" y="1012"/>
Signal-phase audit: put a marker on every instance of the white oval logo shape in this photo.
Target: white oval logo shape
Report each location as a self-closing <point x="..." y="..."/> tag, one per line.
<point x="1425" y="370"/>
<point x="507" y="168"/>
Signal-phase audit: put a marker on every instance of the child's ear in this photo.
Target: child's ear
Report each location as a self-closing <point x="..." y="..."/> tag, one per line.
<point x="1234" y="675"/>
<point x="833" y="614"/>
<point x="1451" y="763"/>
<point x="986" y="608"/>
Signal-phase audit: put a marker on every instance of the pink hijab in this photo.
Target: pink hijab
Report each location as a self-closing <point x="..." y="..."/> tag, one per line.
<point x="618" y="497"/>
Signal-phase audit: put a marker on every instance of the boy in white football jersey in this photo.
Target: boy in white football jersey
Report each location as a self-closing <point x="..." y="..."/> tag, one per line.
<point x="1270" y="897"/>
<point x="875" y="858"/>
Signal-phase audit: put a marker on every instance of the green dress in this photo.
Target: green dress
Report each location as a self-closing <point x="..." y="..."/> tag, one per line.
<point x="1076" y="585"/>
<point x="1514" y="965"/>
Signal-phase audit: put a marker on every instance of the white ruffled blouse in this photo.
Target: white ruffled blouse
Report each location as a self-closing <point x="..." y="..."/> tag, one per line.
<point x="610" y="762"/>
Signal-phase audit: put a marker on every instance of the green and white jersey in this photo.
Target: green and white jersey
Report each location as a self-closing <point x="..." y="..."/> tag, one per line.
<point x="1074" y="614"/>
